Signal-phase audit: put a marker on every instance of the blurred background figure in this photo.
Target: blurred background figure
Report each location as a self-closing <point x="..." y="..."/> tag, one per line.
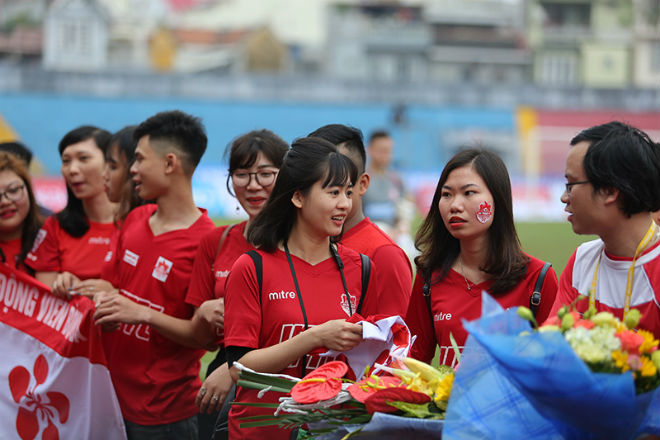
<point x="386" y="202"/>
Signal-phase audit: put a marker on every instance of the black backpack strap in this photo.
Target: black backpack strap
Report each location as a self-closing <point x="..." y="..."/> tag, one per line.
<point x="426" y="291"/>
<point x="535" y="299"/>
<point x="258" y="267"/>
<point x="366" y="275"/>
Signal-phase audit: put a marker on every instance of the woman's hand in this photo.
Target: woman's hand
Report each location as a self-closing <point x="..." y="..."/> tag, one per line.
<point x="338" y="334"/>
<point x="62" y="285"/>
<point x="213" y="312"/>
<point x="90" y="287"/>
<point x="214" y="390"/>
<point x="111" y="307"/>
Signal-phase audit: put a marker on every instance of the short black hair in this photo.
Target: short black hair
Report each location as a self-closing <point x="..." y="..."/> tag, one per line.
<point x="19" y="150"/>
<point x="344" y="136"/>
<point x="378" y="134"/>
<point x="182" y="132"/>
<point x="623" y="157"/>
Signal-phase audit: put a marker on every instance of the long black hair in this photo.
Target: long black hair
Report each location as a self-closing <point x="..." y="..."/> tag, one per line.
<point x="72" y="218"/>
<point x="309" y="160"/>
<point x="506" y="262"/>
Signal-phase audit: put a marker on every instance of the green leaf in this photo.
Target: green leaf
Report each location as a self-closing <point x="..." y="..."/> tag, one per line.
<point x="266" y="380"/>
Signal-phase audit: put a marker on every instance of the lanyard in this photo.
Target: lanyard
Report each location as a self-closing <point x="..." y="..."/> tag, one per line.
<point x="650" y="233"/>
<point x="340" y="266"/>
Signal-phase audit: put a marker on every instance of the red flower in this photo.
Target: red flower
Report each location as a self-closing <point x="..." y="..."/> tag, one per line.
<point x="361" y="390"/>
<point x="584" y="323"/>
<point x="630" y="341"/>
<point x="321" y="384"/>
<point x="377" y="402"/>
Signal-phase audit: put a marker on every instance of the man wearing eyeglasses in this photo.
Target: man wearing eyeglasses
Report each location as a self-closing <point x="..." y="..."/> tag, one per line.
<point x="612" y="190"/>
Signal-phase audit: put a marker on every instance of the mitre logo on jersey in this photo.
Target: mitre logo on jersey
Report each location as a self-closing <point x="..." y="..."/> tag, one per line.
<point x="162" y="269"/>
<point x="272" y="296"/>
<point x="130" y="258"/>
<point x="99" y="240"/>
<point x="344" y="304"/>
<point x="221" y="273"/>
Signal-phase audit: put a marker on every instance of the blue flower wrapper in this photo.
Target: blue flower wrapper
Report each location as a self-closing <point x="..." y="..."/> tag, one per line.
<point x="534" y="386"/>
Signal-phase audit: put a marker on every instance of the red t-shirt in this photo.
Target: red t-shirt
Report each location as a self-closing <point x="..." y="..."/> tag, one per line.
<point x="11" y="249"/>
<point x="55" y="250"/>
<point x="394" y="271"/>
<point x="451" y="302"/>
<point x="155" y="378"/>
<point x="259" y="320"/>
<point x="212" y="266"/>
<point x="577" y="277"/>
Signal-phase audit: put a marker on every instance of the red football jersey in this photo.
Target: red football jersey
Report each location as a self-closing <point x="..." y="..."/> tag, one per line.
<point x="212" y="266"/>
<point x="262" y="319"/>
<point x="110" y="262"/>
<point x="394" y="270"/>
<point x="54" y="250"/>
<point x="11" y="249"/>
<point x="155" y="378"/>
<point x="451" y="302"/>
<point x="577" y="277"/>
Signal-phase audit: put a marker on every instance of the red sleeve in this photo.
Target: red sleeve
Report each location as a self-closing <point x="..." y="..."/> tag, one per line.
<point x="111" y="262"/>
<point x="566" y="293"/>
<point x="45" y="253"/>
<point x="394" y="276"/>
<point x="242" y="305"/>
<point x="419" y="322"/>
<point x="202" y="282"/>
<point x="548" y="295"/>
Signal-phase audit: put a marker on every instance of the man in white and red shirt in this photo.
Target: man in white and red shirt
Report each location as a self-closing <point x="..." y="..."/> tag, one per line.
<point x="155" y="373"/>
<point x="613" y="186"/>
<point x="361" y="234"/>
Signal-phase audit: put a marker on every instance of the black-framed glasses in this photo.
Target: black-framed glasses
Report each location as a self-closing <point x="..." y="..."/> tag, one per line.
<point x="263" y="178"/>
<point x="569" y="185"/>
<point x="13" y="193"/>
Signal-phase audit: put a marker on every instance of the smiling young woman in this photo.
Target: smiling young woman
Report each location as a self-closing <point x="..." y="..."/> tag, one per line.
<point x="310" y="285"/>
<point x="19" y="214"/>
<point x="469" y="245"/>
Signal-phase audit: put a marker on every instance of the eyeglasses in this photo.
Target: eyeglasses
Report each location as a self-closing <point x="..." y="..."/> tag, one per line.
<point x="263" y="178"/>
<point x="13" y="193"/>
<point x="569" y="185"/>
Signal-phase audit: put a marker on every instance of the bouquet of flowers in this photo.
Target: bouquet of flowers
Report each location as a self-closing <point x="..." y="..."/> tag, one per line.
<point x="326" y="403"/>
<point x="583" y="377"/>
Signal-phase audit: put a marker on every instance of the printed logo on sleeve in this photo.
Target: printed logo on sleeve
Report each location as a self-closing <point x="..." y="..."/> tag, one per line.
<point x="108" y="256"/>
<point x="41" y="235"/>
<point x="162" y="269"/>
<point x="130" y="258"/>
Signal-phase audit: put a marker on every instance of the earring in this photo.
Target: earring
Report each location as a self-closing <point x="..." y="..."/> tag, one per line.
<point x="238" y="208"/>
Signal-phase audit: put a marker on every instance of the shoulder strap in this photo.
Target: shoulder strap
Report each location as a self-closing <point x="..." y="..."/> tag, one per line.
<point x="258" y="267"/>
<point x="535" y="299"/>
<point x="223" y="237"/>
<point x="426" y="291"/>
<point x="366" y="274"/>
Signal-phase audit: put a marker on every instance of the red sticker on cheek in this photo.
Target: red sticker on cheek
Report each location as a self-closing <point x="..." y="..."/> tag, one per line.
<point x="485" y="212"/>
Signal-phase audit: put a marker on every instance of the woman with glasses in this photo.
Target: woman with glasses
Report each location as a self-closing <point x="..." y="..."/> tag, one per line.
<point x="72" y="244"/>
<point x="254" y="161"/>
<point x="309" y="284"/>
<point x="468" y="244"/>
<point x="19" y="214"/>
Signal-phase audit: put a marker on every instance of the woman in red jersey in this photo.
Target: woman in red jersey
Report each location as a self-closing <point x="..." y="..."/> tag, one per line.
<point x="254" y="160"/>
<point x="73" y="243"/>
<point x="309" y="284"/>
<point x="469" y="244"/>
<point x="19" y="214"/>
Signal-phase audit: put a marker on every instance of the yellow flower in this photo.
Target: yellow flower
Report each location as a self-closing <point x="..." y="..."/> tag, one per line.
<point x="649" y="341"/>
<point x="648" y="367"/>
<point x="422" y="386"/>
<point x="621" y="360"/>
<point x="443" y="389"/>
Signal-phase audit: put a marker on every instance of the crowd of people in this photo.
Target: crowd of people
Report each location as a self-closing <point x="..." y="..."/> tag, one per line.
<point x="275" y="291"/>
